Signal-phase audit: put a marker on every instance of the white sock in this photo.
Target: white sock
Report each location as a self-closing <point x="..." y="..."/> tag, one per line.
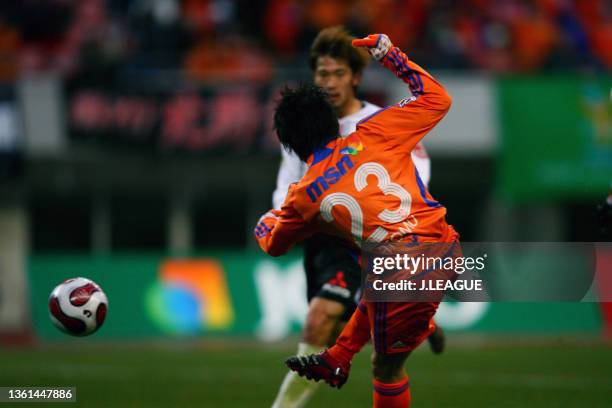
<point x="295" y="391"/>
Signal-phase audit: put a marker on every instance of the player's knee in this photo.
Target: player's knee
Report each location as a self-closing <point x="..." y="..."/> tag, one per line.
<point x="321" y="321"/>
<point x="388" y="367"/>
<point x="380" y="370"/>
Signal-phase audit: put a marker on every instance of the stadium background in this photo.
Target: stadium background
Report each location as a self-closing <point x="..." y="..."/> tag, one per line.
<point x="136" y="149"/>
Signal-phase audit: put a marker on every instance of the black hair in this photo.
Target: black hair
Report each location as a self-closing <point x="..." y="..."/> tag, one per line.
<point x="336" y="43"/>
<point x="304" y="119"/>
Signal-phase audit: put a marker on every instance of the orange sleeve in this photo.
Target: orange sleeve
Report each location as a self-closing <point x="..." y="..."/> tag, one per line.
<point x="278" y="230"/>
<point x="407" y="122"/>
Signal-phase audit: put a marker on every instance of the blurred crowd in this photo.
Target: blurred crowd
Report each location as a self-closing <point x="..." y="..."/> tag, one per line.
<point x="245" y="39"/>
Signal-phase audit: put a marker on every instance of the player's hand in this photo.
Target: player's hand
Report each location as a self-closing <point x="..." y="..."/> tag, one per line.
<point x="378" y="45"/>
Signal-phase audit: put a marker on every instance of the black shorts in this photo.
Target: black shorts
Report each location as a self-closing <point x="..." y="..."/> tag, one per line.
<point x="332" y="271"/>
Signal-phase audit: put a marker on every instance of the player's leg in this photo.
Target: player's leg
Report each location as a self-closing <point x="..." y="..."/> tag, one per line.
<point x="333" y="278"/>
<point x="394" y="328"/>
<point x="391" y="384"/>
<point x="353" y="337"/>
<point x="356" y="334"/>
<point x="333" y="365"/>
<point x="295" y="391"/>
<point x="398" y="328"/>
<point x="320" y="325"/>
<point x="322" y="321"/>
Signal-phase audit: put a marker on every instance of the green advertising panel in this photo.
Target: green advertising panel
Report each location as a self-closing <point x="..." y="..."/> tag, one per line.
<point x="246" y="294"/>
<point x="155" y="296"/>
<point x="556" y="137"/>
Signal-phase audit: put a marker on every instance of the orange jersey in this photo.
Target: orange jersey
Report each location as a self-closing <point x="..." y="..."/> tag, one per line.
<point x="366" y="188"/>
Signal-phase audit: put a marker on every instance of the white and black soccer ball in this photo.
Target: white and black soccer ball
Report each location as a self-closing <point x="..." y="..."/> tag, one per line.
<point x="78" y="306"/>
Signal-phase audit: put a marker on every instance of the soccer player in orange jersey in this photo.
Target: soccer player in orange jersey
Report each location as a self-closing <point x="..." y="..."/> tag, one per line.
<point x="363" y="188"/>
<point x="333" y="273"/>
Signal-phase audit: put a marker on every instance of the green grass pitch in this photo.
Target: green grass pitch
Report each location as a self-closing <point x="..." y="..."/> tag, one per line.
<point x="245" y="374"/>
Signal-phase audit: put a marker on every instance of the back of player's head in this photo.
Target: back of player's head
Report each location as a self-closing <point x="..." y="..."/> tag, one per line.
<point x="304" y="119"/>
<point x="336" y="43"/>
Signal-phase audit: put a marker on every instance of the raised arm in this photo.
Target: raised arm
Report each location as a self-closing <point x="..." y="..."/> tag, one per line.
<point x="410" y="119"/>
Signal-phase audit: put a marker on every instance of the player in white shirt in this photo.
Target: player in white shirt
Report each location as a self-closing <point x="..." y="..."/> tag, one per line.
<point x="333" y="274"/>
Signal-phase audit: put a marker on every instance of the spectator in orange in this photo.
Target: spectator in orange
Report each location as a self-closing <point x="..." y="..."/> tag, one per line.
<point x="534" y="37"/>
<point x="231" y="59"/>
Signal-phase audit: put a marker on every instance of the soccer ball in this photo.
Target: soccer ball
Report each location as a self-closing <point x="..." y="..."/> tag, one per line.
<point x="78" y="306"/>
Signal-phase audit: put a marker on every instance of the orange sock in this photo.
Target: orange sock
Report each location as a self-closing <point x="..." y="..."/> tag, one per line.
<point x="355" y="335"/>
<point x="395" y="395"/>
